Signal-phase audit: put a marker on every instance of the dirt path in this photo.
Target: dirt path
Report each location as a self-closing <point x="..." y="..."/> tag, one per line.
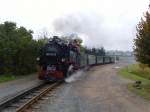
<point x="99" y="90"/>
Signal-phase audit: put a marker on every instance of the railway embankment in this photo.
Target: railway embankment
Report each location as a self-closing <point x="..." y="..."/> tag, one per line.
<point x="12" y="88"/>
<point x="9" y="77"/>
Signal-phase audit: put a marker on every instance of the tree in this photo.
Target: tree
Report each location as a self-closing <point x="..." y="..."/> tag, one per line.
<point x="7" y="45"/>
<point x="101" y="51"/>
<point x="18" y="50"/>
<point x="142" y="40"/>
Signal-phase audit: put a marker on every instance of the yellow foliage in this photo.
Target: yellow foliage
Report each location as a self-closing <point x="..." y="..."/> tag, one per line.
<point x="143" y="66"/>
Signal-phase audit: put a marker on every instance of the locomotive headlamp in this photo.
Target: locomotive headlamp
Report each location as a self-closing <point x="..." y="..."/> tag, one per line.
<point x="62" y="59"/>
<point x="38" y="59"/>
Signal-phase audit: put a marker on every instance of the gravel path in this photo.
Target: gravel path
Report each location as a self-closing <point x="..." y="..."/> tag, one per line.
<point x="11" y="88"/>
<point x="98" y="90"/>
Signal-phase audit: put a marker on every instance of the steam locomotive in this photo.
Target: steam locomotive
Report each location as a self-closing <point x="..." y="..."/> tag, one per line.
<point x="58" y="59"/>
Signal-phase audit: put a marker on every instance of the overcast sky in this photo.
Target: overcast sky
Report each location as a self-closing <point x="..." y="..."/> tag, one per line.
<point x="108" y="23"/>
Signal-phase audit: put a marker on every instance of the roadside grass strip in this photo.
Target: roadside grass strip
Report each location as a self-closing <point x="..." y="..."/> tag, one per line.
<point x="143" y="92"/>
<point x="6" y="78"/>
<point x="135" y="73"/>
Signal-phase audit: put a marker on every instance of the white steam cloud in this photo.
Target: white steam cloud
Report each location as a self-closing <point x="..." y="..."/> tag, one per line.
<point x="75" y="76"/>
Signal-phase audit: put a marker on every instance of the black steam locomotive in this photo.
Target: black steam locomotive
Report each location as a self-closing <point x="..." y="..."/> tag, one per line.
<point x="58" y="59"/>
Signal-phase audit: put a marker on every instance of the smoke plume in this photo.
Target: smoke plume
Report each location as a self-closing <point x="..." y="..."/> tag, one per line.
<point x="94" y="30"/>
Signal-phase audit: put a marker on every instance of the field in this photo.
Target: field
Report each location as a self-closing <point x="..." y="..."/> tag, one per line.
<point x="135" y="73"/>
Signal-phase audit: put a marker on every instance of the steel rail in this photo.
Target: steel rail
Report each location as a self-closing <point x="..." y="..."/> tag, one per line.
<point x="9" y="101"/>
<point x="36" y="98"/>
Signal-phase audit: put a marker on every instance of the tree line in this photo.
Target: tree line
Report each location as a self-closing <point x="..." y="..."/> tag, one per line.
<point x="97" y="51"/>
<point x="18" y="49"/>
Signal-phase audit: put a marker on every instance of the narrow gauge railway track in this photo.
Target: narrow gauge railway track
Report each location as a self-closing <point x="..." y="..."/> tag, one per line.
<point x="25" y="101"/>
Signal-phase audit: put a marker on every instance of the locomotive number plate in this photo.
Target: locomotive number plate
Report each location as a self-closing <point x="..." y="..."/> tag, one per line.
<point x="51" y="68"/>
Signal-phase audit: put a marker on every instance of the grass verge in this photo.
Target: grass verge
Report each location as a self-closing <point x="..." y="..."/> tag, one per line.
<point x="143" y="92"/>
<point x="135" y="73"/>
<point x="6" y="78"/>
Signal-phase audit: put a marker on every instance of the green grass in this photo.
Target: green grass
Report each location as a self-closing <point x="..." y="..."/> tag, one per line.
<point x="143" y="92"/>
<point x="135" y="73"/>
<point x="6" y="78"/>
<point x="135" y="69"/>
<point x="130" y="72"/>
